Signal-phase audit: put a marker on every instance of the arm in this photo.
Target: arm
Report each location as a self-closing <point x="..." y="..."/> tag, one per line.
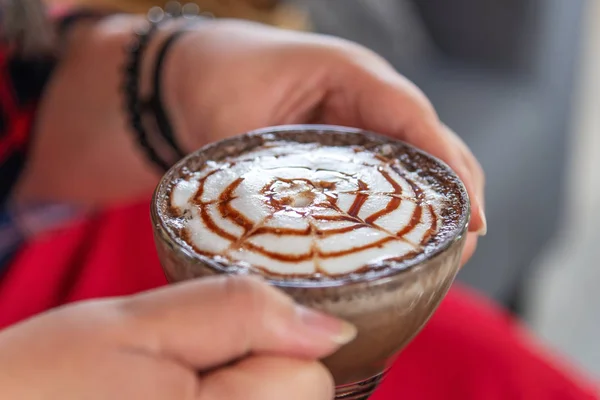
<point x="222" y="78"/>
<point x="156" y="346"/>
<point x="83" y="149"/>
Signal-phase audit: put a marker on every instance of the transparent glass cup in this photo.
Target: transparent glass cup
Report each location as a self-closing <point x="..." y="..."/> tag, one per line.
<point x="388" y="305"/>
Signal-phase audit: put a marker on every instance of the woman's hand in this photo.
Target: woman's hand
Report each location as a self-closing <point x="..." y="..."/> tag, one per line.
<point x="222" y="79"/>
<point x="220" y="338"/>
<point x="231" y="77"/>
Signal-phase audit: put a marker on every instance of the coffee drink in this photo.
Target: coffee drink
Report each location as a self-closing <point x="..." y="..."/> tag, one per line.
<point x="361" y="226"/>
<point x="308" y="211"/>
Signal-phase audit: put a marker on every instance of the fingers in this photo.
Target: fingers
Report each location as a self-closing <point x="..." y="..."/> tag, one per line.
<point x="289" y="379"/>
<point x="470" y="247"/>
<point x="387" y="103"/>
<point x="477" y="176"/>
<point x="440" y="141"/>
<point x="216" y="320"/>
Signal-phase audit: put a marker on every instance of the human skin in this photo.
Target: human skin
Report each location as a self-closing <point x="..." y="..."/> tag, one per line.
<point x="228" y="338"/>
<point x="223" y="78"/>
<point x="220" y="79"/>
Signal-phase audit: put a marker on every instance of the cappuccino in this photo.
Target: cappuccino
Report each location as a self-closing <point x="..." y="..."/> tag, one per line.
<point x="357" y="225"/>
<point x="307" y="210"/>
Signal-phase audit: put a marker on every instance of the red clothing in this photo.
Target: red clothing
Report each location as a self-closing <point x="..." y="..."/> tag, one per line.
<point x="21" y="83"/>
<point x="469" y="350"/>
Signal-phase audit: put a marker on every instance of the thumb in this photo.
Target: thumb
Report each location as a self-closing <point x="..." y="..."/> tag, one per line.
<point x="209" y="322"/>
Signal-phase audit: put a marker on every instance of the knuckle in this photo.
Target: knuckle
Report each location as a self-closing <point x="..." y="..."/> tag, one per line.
<point x="245" y="289"/>
<point x="261" y="303"/>
<point x="249" y="294"/>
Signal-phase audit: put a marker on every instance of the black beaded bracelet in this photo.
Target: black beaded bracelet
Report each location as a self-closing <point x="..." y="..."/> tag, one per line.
<point x="131" y="89"/>
<point x="153" y="106"/>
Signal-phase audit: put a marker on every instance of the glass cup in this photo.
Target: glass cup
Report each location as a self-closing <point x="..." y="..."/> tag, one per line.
<point x="388" y="305"/>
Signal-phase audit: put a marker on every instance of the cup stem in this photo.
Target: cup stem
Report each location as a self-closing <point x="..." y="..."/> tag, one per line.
<point x="360" y="390"/>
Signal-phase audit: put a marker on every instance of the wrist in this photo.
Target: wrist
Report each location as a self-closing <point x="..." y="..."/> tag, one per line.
<point x="152" y="80"/>
<point x="82" y="119"/>
<point x="181" y="72"/>
<point x="141" y="81"/>
<point x="81" y="122"/>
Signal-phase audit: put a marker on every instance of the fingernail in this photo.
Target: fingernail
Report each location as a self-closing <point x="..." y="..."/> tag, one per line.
<point x="338" y="331"/>
<point x="483" y="230"/>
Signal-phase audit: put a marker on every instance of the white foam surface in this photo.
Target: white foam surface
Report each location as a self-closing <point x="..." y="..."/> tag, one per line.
<point x="290" y="205"/>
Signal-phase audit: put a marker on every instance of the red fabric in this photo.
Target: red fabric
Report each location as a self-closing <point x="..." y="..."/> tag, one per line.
<point x="470" y="349"/>
<point x="19" y="117"/>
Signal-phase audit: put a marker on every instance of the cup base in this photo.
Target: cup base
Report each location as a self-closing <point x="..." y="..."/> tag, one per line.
<point x="360" y="390"/>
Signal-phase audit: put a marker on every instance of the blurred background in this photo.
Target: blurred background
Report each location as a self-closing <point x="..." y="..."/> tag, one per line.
<point x="517" y="79"/>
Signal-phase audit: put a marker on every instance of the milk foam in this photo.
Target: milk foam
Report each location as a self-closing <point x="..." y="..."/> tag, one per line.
<point x="295" y="209"/>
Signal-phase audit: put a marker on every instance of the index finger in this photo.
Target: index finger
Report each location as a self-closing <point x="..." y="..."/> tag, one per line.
<point x="387" y="103"/>
<point x="212" y="321"/>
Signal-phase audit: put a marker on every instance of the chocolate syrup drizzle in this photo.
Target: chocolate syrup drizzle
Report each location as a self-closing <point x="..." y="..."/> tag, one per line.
<point x="277" y="204"/>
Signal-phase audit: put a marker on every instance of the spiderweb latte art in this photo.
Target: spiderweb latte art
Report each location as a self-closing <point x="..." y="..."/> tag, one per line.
<point x="307" y="210"/>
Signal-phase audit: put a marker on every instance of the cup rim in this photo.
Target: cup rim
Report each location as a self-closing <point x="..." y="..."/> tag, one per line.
<point x="383" y="274"/>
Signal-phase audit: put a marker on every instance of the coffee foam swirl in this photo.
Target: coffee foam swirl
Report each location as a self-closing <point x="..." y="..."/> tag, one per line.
<point x="307" y="210"/>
